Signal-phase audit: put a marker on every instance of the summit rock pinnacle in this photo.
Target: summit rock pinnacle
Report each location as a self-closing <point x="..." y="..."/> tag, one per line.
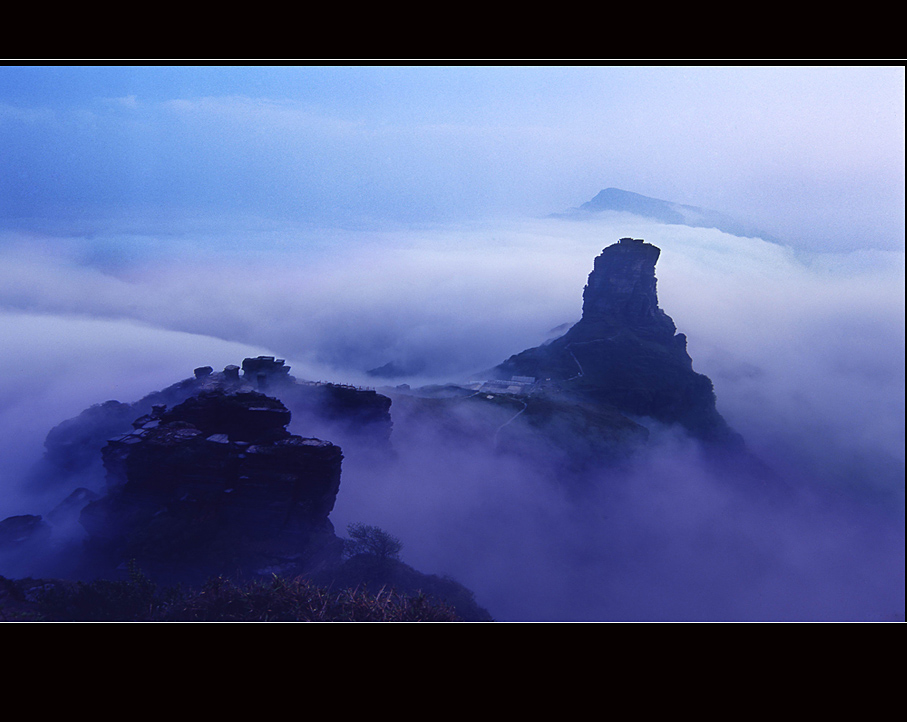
<point x="625" y="352"/>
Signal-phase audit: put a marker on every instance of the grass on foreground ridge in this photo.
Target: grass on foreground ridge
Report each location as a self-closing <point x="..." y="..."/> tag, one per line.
<point x="277" y="599"/>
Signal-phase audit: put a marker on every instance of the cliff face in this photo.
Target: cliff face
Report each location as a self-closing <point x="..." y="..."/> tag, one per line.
<point x="621" y="295"/>
<point x="216" y="484"/>
<point x="211" y="463"/>
<point x="625" y="352"/>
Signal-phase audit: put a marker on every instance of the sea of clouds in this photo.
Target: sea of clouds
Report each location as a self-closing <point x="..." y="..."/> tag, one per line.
<point x="806" y="352"/>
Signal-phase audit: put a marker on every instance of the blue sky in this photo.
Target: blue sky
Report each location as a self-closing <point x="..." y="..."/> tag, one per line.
<point x="813" y="154"/>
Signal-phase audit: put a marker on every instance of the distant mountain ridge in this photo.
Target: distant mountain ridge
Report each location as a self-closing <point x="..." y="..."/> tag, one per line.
<point x="615" y="199"/>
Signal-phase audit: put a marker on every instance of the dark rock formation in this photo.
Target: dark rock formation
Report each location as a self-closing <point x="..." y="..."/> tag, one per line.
<point x="69" y="509"/>
<point x="73" y="447"/>
<point x="625" y="352"/>
<point x="215" y="485"/>
<point x="160" y="465"/>
<point x="357" y="419"/>
<point x="265" y="371"/>
<point x="241" y="416"/>
<point x="205" y="478"/>
<point x="354" y="416"/>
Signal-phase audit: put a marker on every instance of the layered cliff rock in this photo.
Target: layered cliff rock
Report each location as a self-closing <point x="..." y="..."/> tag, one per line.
<point x="186" y="441"/>
<point x="357" y="419"/>
<point x="216" y="484"/>
<point x="625" y="352"/>
<point x="208" y="480"/>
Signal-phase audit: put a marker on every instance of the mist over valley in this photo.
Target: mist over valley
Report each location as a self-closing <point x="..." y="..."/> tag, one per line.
<point x="426" y="297"/>
<point x="805" y="355"/>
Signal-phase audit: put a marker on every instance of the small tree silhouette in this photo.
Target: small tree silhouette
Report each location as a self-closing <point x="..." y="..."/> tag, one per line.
<point x="365" y="539"/>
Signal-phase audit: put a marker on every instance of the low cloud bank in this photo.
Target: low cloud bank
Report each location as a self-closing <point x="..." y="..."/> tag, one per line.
<point x="54" y="367"/>
<point x="664" y="537"/>
<point x="806" y="353"/>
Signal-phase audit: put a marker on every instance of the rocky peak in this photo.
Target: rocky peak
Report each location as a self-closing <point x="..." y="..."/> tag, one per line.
<point x="217" y="480"/>
<point x="625" y="352"/>
<point x="621" y="292"/>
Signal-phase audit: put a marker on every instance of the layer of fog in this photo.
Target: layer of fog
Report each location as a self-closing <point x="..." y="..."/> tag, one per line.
<point x="664" y="537"/>
<point x="56" y="366"/>
<point x="806" y="353"/>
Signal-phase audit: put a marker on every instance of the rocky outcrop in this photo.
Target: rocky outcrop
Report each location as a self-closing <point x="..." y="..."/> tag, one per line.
<point x="357" y="419"/>
<point x="206" y="479"/>
<point x="214" y="485"/>
<point x="625" y="352"/>
<point x="179" y="441"/>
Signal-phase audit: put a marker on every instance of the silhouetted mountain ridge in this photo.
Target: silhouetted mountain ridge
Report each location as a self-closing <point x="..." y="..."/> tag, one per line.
<point x="616" y="199"/>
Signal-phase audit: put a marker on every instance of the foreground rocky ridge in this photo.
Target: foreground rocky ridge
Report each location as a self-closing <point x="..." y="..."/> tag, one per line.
<point x="209" y="480"/>
<point x="216" y="484"/>
<point x="348" y="415"/>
